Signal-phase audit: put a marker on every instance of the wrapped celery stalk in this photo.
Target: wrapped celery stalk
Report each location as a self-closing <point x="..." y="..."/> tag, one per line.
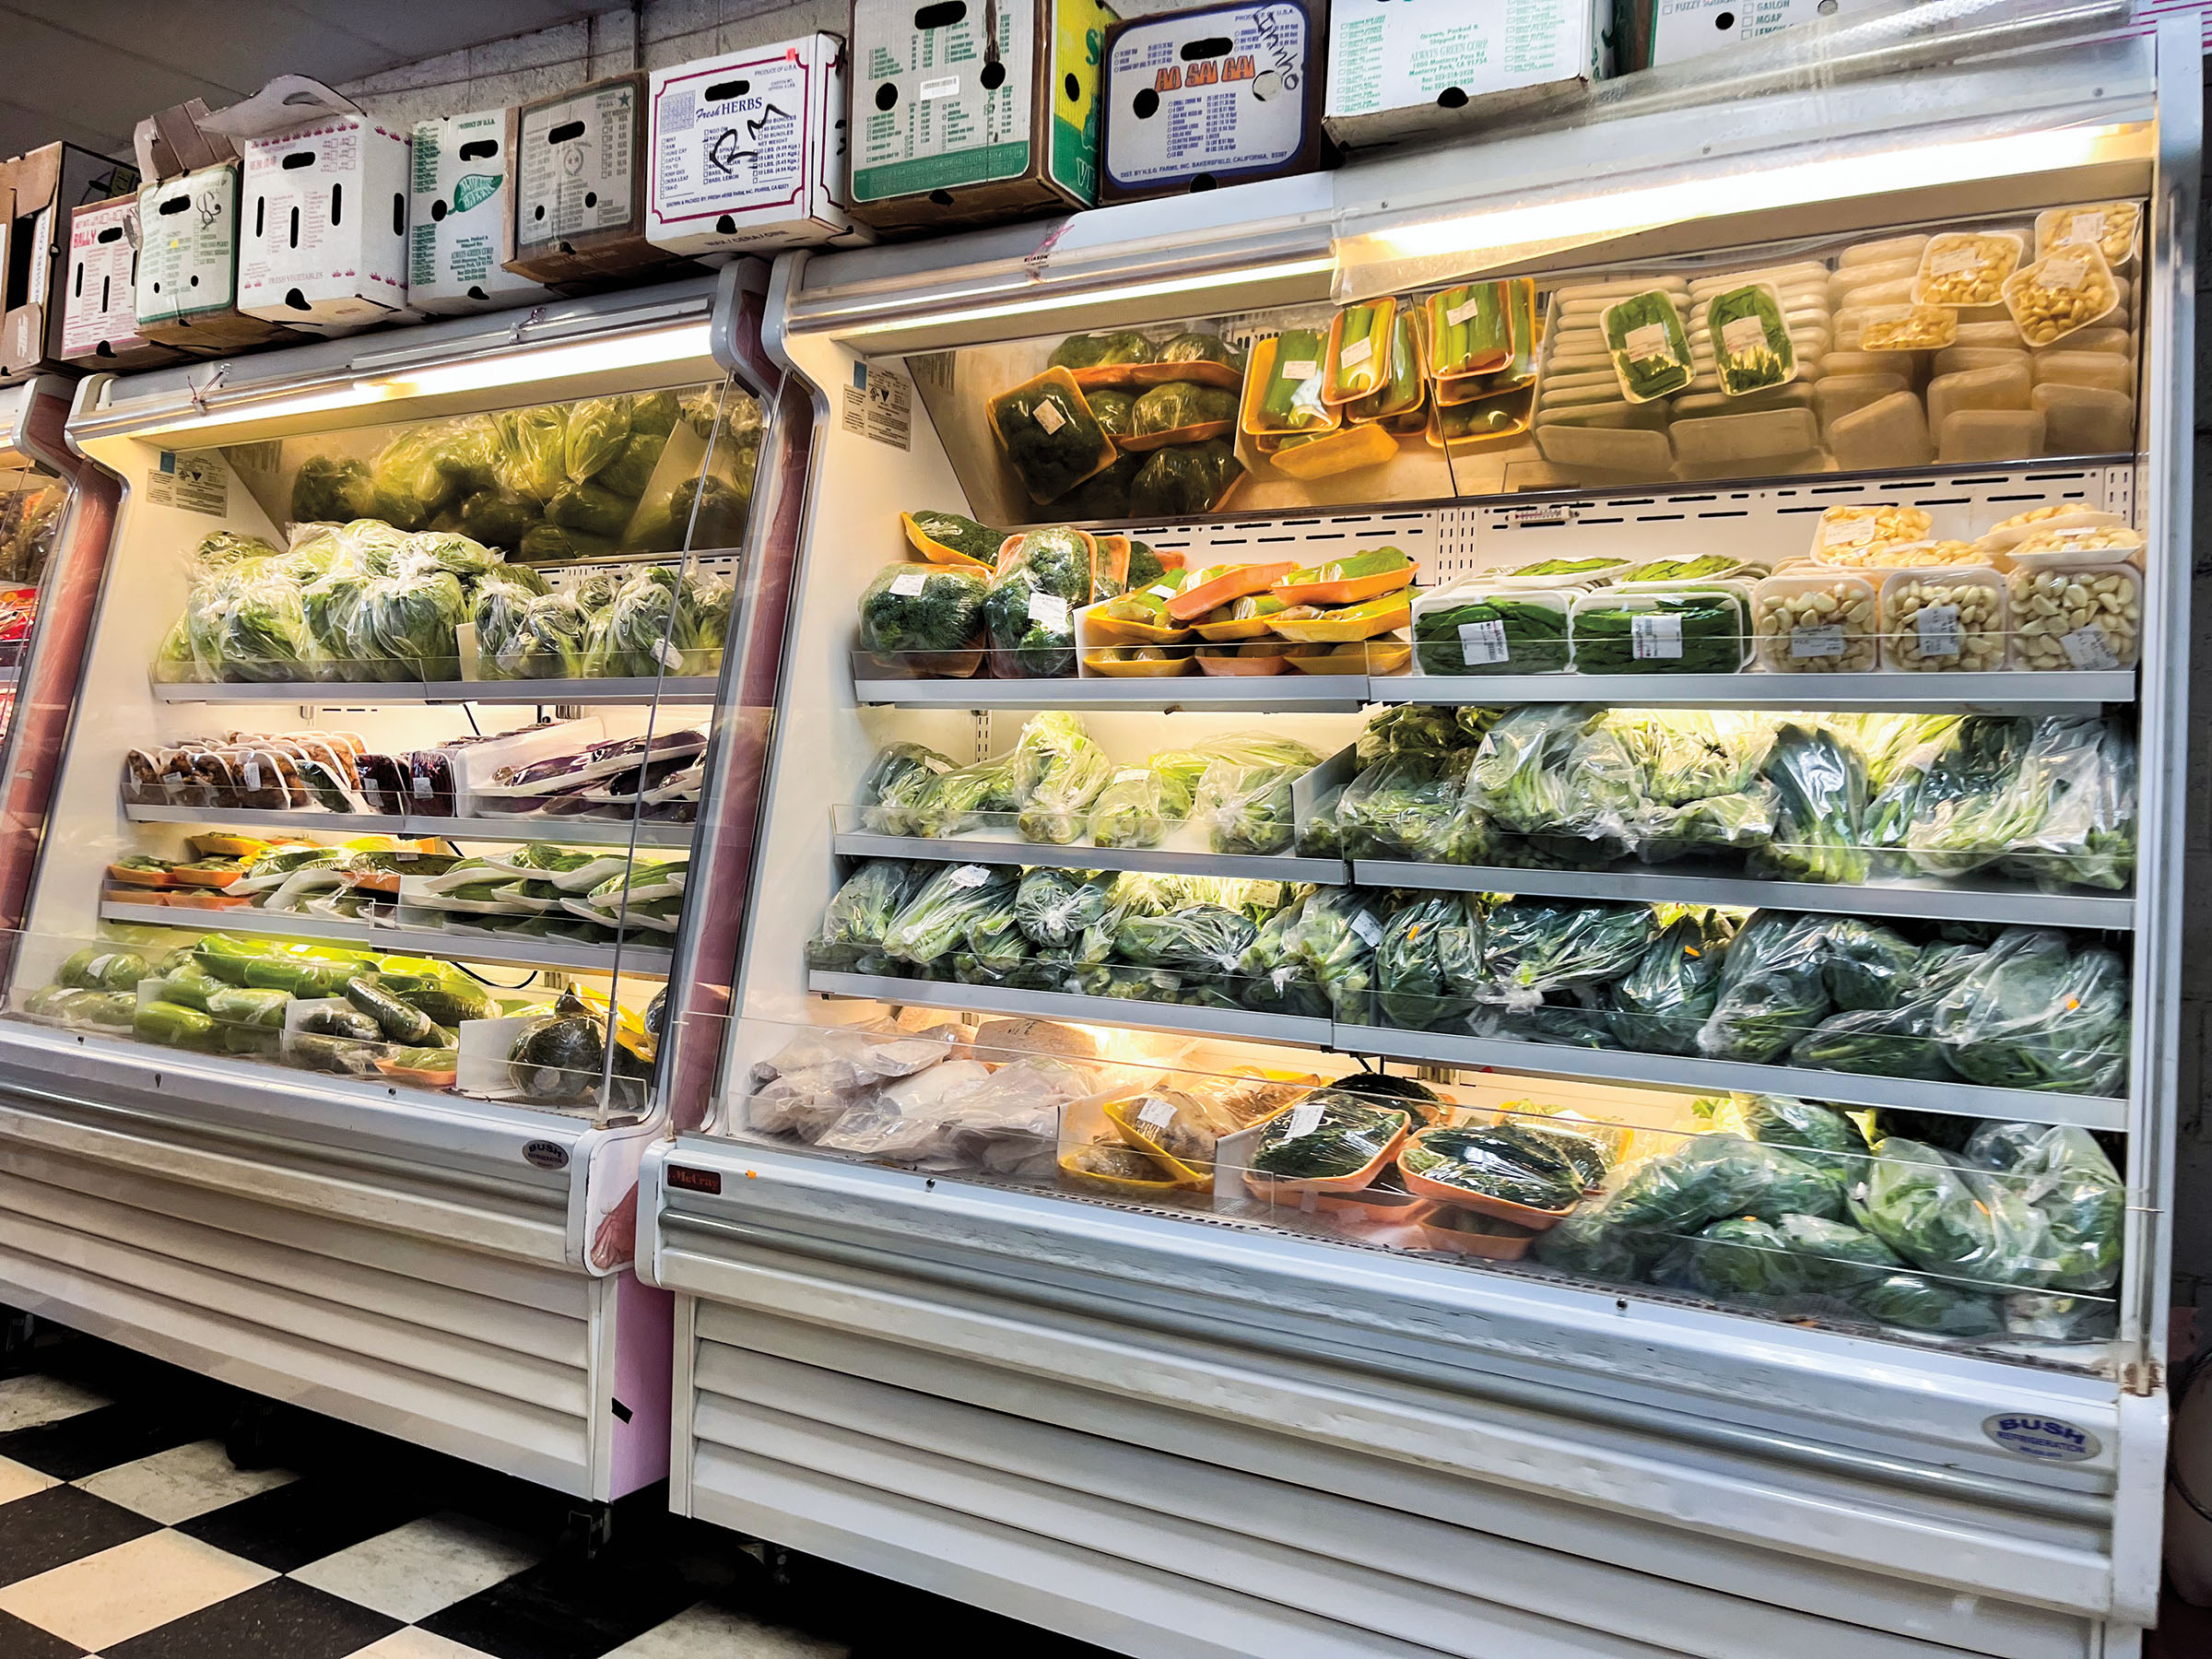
<point x="1290" y="401"/>
<point x="1470" y="329"/>
<point x="1358" y="360"/>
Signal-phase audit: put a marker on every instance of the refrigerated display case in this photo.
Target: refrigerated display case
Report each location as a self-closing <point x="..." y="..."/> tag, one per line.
<point x="1506" y="1008"/>
<point x="335" y="1013"/>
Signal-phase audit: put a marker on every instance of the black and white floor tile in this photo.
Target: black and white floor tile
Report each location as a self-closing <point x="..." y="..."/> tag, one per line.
<point x="127" y="1532"/>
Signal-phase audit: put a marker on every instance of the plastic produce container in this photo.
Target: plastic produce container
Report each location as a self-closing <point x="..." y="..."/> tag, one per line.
<point x="1836" y="395"/>
<point x="2007" y="534"/>
<point x="2003" y="387"/>
<point x="1891" y="432"/>
<point x="1840" y="529"/>
<point x="2102" y="369"/>
<point x="1966" y="268"/>
<point x="2075" y="608"/>
<point x="1815" y="622"/>
<point x="1943" y="620"/>
<point x="2115" y="227"/>
<point x="1976" y="435"/>
<point x="1702" y="629"/>
<point x="2064" y="291"/>
<point x="2084" y="420"/>
<point x="1475" y="627"/>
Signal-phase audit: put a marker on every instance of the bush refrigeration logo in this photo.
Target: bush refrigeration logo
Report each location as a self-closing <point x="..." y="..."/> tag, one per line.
<point x="2045" y="1439"/>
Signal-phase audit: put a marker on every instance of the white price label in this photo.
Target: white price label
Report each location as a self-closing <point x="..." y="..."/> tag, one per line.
<point x="1301" y="369"/>
<point x="1954" y="262"/>
<point x="2065" y="271"/>
<point x="252" y="775"/>
<point x="1048" y="416"/>
<point x="2084" y="227"/>
<point x="1356" y="353"/>
<point x="1938" y="629"/>
<point x="2089" y="647"/>
<point x="1305" y="1117"/>
<point x="422" y="783"/>
<point x="668" y="656"/>
<point x="1467" y="308"/>
<point x="944" y="86"/>
<point x="1743" y="335"/>
<point x="1824" y="641"/>
<point x="1847" y="533"/>
<point x="1649" y="341"/>
<point x="1160" y="591"/>
<point x="907" y="585"/>
<point x="1654" y="637"/>
<point x="1482" y="643"/>
<point x="1048" y="610"/>
<point x="1157" y="1113"/>
<point x="1368" y="928"/>
<point x="968" y="875"/>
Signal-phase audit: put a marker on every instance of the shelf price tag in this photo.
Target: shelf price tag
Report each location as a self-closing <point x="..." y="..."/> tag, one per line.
<point x="1651" y="636"/>
<point x="1482" y="643"/>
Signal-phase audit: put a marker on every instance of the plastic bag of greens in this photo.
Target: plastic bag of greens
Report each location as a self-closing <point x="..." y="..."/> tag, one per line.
<point x="1178" y="404"/>
<point x="449" y="550"/>
<point x="850" y="939"/>
<point x="1662" y="1003"/>
<point x="960" y="799"/>
<point x="1327" y="1135"/>
<point x="897" y="769"/>
<point x="1599" y="796"/>
<point x="2082" y="769"/>
<point x="1709" y="1176"/>
<point x="1243" y="799"/>
<point x="2064" y="1175"/>
<point x="1944" y="1216"/>
<point x="1411" y="728"/>
<point x="597" y="429"/>
<point x="2031" y="1013"/>
<point x="1900" y="1040"/>
<point x="496" y="613"/>
<point x="327" y="488"/>
<point x="934" y="922"/>
<point x="1738" y="1259"/>
<point x="1410" y="806"/>
<point x="1200" y="942"/>
<point x="404" y="628"/>
<point x="661" y="620"/>
<point x="929" y="618"/>
<point x="1058" y="771"/>
<point x="1274" y="977"/>
<point x="1774" y="989"/>
<point x="1200" y="348"/>
<point x="262" y="636"/>
<point x="1975" y="800"/>
<point x="1319" y="837"/>
<point x="1043" y="578"/>
<point x="1869" y="966"/>
<point x="1820" y="1135"/>
<point x="1819" y="785"/>
<point x="1535" y="947"/>
<point x="532" y="454"/>
<point x="1914" y="1302"/>
<point x="1049" y="435"/>
<point x="548" y="642"/>
<point x="1054" y="908"/>
<point x="1429" y="961"/>
<point x="407" y="489"/>
<point x="1141" y="804"/>
<point x="1334" y="935"/>
<point x="1094" y="351"/>
<point x="1836" y="1258"/>
<point x="368" y="546"/>
<point x="1183" y="479"/>
<point x="1516" y="777"/>
<point x="1590" y="1242"/>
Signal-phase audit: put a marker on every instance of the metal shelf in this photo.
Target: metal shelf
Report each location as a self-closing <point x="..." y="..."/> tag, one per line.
<point x="577" y="832"/>
<point x="1199" y="693"/>
<point x="1285" y="1028"/>
<point x="1008" y="848"/>
<point x="1997" y="693"/>
<point x="694" y="688"/>
<point x="1711" y="1076"/>
<point x="645" y="960"/>
<point x="1932" y="900"/>
<point x="2006" y="691"/>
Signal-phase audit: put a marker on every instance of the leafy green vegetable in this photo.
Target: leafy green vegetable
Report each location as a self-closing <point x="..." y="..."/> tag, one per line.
<point x="1820" y="784"/>
<point x="1243" y="799"/>
<point x="1650" y="353"/>
<point x="1659" y="633"/>
<point x="1772" y="988"/>
<point x="1749" y="340"/>
<point x="1342" y="1137"/>
<point x="936" y="920"/>
<point x="1183" y="479"/>
<point x="1092" y="351"/>
<point x="1495" y="633"/>
<point x="1945" y="1218"/>
<point x="1660" y="1005"/>
<point x="860" y="912"/>
<point x="1534" y="947"/>
<point x="1411" y="806"/>
<point x="1043" y="578"/>
<point x="1335" y="937"/>
<point x="1058" y="771"/>
<point x="925" y="616"/>
<point x="1494" y="1164"/>
<point x="2033" y="1013"/>
<point x="1429" y="963"/>
<point x="2063" y="1173"/>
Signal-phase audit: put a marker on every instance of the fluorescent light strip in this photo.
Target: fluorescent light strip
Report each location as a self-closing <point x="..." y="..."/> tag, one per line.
<point x="268" y="408"/>
<point x="1750" y="191"/>
<point x="1135" y="290"/>
<point x="527" y="364"/>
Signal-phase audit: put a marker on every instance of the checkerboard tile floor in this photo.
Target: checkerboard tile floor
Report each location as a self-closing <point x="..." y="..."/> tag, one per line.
<point x="127" y="1533"/>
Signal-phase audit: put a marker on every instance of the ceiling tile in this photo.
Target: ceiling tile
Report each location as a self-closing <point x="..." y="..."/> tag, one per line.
<point x="419" y="28"/>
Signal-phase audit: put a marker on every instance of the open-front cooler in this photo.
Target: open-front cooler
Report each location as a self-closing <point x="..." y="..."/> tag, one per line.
<point x="336" y="1012"/>
<point x="1466" y="938"/>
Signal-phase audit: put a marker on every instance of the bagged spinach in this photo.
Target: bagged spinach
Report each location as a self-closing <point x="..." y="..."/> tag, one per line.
<point x="1739" y="1259"/>
<point x="1773" y="988"/>
<point x="1973" y="797"/>
<point x="1819" y="785"/>
<point x="1820" y="1135"/>
<point x="1944" y="1216"/>
<point x="2062" y="1172"/>
<point x="2033" y="1013"/>
<point x="1535" y="947"/>
<point x="1662" y="1003"/>
<point x="1429" y="963"/>
<point x="1837" y="1259"/>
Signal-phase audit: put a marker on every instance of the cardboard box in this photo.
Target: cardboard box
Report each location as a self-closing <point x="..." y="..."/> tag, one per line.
<point x="950" y="127"/>
<point x="1215" y="95"/>
<point x="580" y="186"/>
<point x="38" y="193"/>
<point x="326" y="211"/>
<point x="1399" y="68"/>
<point x="174" y="142"/>
<point x="461" y="216"/>
<point x="748" y="151"/>
<point x="188" y="266"/>
<point x="100" y="291"/>
<point x="1668" y="31"/>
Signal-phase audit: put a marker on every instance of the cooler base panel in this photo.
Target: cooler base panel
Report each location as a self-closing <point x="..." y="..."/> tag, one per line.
<point x="1088" y="1513"/>
<point x="507" y="1362"/>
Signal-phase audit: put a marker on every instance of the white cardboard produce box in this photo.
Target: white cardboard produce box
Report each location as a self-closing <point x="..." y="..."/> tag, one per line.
<point x="325" y="218"/>
<point x="1688" y="28"/>
<point x="748" y="150"/>
<point x="100" y="315"/>
<point x="461" y="215"/>
<point x="1401" y="67"/>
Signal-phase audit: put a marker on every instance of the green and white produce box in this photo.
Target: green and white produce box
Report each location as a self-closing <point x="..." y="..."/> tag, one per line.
<point x="1398" y="68"/>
